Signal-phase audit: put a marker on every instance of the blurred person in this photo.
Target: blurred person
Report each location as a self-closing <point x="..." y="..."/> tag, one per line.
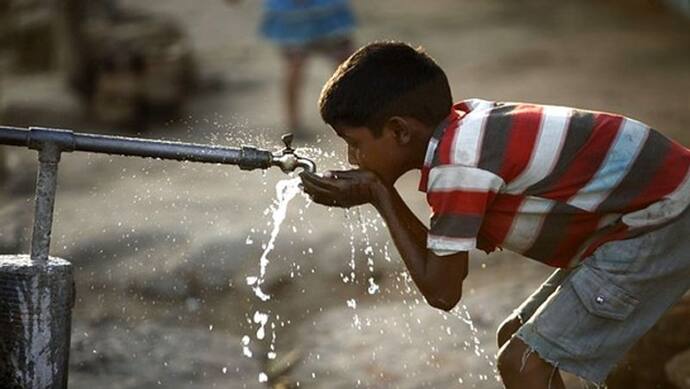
<point x="300" y="29"/>
<point x="602" y="197"/>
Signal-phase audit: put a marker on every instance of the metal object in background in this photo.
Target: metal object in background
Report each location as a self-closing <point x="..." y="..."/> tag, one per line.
<point x="36" y="300"/>
<point x="37" y="292"/>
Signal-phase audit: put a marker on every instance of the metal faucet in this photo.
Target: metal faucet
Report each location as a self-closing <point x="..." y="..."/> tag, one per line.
<point x="51" y="143"/>
<point x="288" y="161"/>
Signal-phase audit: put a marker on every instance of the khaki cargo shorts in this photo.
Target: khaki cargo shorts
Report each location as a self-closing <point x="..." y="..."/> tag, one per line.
<point x="583" y="320"/>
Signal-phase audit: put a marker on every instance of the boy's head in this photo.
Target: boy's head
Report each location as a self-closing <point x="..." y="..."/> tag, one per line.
<point x="385" y="100"/>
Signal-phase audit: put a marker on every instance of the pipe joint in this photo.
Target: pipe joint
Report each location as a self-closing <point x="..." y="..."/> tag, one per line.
<point x="40" y="138"/>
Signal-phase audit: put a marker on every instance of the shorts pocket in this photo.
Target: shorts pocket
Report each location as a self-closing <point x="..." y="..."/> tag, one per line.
<point x="586" y="312"/>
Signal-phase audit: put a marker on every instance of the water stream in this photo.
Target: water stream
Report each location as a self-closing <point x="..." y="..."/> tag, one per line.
<point x="360" y="228"/>
<point x="286" y="190"/>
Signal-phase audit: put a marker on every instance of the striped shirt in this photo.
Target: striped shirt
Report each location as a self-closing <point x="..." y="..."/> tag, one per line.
<point x="551" y="183"/>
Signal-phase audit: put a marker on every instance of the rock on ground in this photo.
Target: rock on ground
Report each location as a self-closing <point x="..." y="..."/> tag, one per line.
<point x="678" y="370"/>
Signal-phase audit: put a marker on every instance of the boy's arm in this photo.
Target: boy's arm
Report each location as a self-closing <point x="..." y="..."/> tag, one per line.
<point x="439" y="278"/>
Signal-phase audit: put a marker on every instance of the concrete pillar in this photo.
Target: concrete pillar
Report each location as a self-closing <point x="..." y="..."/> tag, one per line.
<point x="36" y="300"/>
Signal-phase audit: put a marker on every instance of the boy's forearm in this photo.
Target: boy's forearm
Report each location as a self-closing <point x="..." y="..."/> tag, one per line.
<point x="438" y="278"/>
<point x="407" y="231"/>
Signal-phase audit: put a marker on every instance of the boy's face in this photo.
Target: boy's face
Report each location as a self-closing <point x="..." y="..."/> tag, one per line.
<point x="382" y="155"/>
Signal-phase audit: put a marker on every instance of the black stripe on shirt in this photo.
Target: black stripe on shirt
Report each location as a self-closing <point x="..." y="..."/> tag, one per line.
<point x="495" y="139"/>
<point x="553" y="231"/>
<point x="455" y="226"/>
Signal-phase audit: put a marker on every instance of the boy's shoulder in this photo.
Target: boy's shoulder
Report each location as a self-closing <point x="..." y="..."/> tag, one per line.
<point x="502" y="137"/>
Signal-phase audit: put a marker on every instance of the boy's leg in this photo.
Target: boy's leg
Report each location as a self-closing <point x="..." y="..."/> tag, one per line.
<point x="521" y="367"/>
<point x="518" y="365"/>
<point x="529" y="306"/>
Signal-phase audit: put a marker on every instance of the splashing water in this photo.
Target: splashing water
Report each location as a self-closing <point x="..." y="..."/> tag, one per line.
<point x="358" y="225"/>
<point x="286" y="190"/>
<point x="463" y="313"/>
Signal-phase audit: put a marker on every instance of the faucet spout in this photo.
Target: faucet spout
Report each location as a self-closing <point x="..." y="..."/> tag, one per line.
<point x="288" y="161"/>
<point x="306" y="164"/>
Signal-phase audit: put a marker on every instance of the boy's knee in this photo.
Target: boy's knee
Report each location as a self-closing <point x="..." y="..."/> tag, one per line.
<point x="517" y="362"/>
<point x="510" y="358"/>
<point x="507" y="329"/>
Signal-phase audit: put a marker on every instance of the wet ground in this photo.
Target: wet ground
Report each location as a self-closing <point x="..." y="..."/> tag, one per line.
<point x="161" y="250"/>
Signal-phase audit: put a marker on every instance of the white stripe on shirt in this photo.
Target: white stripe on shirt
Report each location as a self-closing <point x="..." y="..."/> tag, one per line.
<point x="478" y="104"/>
<point x="619" y="159"/>
<point x="468" y="138"/>
<point x="447" y="178"/>
<point x="430" y="151"/>
<point x="442" y="245"/>
<point x="552" y="132"/>
<point x="527" y="223"/>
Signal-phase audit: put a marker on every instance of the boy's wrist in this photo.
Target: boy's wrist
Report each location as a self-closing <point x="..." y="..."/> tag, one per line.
<point x="381" y="194"/>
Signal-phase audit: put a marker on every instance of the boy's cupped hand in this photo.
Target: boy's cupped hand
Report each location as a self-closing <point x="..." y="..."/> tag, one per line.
<point x="344" y="188"/>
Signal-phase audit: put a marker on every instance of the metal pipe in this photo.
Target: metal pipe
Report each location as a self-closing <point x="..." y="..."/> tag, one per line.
<point x="246" y="157"/>
<point x="46" y="185"/>
<point x="13" y="136"/>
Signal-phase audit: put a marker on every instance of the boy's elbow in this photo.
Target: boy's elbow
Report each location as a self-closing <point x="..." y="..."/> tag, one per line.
<point x="443" y="305"/>
<point x="445" y="302"/>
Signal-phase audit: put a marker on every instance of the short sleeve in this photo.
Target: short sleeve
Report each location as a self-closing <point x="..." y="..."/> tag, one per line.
<point x="459" y="197"/>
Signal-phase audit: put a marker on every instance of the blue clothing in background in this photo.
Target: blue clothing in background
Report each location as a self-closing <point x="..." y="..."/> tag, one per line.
<point x="301" y="22"/>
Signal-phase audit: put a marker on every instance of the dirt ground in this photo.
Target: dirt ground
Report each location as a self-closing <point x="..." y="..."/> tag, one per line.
<point x="170" y="244"/>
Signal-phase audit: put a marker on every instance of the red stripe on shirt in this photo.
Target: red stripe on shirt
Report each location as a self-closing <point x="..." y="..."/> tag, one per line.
<point x="460" y="202"/>
<point x="523" y="135"/>
<point x="462" y="106"/>
<point x="453" y="120"/>
<point x="581" y="227"/>
<point x="619" y="232"/>
<point x="446" y="144"/>
<point x="500" y="217"/>
<point x="667" y="178"/>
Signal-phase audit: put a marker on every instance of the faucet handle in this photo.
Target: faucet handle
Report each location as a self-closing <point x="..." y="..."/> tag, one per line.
<point x="287" y="141"/>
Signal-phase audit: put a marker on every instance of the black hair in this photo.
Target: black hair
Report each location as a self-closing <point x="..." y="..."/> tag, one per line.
<point x="382" y="80"/>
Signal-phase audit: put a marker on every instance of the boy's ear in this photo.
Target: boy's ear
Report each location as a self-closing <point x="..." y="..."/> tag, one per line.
<point x="400" y="128"/>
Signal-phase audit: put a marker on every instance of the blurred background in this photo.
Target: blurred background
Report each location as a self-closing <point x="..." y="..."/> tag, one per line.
<point x="162" y="250"/>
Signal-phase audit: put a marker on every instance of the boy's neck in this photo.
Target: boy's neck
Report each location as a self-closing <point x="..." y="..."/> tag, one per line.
<point x="425" y="134"/>
<point x="428" y="132"/>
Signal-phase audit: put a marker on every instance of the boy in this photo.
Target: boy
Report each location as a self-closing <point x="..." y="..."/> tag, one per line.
<point x="600" y="196"/>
